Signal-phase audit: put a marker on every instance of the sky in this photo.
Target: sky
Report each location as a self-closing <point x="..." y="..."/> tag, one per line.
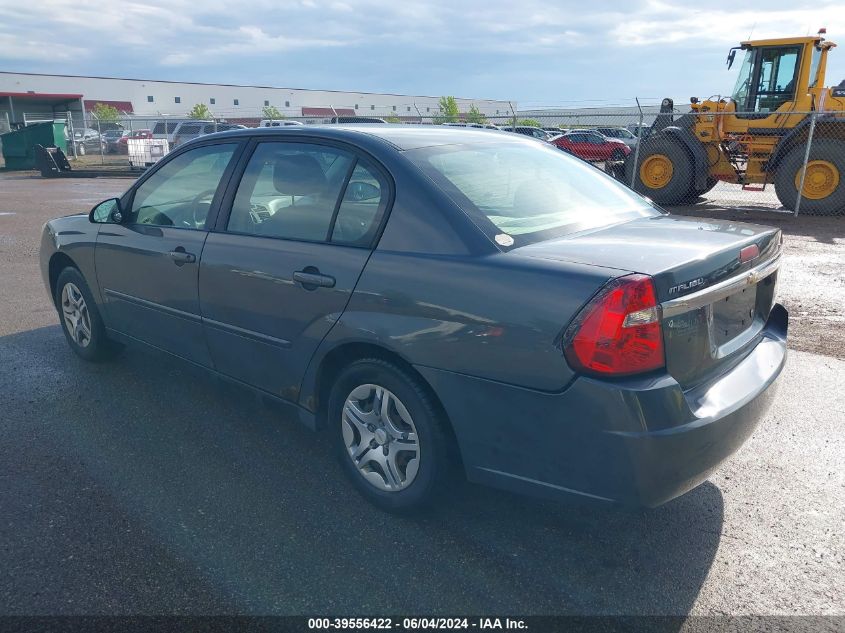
<point x="565" y="53"/>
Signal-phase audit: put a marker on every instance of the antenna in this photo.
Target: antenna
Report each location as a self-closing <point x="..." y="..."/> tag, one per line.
<point x="753" y="26"/>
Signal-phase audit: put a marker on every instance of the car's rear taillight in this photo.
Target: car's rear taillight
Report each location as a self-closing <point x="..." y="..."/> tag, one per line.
<point x="618" y="332"/>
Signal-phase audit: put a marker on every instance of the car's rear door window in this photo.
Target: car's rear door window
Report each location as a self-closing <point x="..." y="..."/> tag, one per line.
<point x="290" y="191"/>
<point x="364" y="201"/>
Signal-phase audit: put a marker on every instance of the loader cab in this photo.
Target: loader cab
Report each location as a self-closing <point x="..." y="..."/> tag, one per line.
<point x="767" y="79"/>
<point x="779" y="75"/>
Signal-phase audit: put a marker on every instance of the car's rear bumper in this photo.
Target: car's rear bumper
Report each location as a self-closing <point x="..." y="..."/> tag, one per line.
<point x="635" y="441"/>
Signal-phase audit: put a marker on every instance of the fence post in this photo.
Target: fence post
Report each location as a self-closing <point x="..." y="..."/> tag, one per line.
<point x="100" y="132"/>
<point x="70" y="135"/>
<point x="637" y="149"/>
<point x="514" y="115"/>
<point x="806" y="160"/>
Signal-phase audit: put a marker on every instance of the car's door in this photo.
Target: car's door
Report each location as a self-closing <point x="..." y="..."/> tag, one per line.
<point x="596" y="146"/>
<point x="578" y="145"/>
<point x="280" y="267"/>
<point x="147" y="265"/>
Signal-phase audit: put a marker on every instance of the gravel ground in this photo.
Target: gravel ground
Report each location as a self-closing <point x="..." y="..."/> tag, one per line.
<point x="145" y="486"/>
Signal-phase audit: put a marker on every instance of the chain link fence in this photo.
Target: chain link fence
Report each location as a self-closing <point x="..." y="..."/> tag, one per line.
<point x="781" y="162"/>
<point x="788" y="162"/>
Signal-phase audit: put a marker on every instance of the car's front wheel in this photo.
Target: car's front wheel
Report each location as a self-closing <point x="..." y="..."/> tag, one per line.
<point x="80" y="318"/>
<point x="390" y="435"/>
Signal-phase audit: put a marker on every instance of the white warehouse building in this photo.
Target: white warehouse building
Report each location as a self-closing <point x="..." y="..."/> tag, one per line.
<point x="30" y="96"/>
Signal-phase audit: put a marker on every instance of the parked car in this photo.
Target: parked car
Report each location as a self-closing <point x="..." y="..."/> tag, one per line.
<point x="592" y="146"/>
<point x="357" y="119"/>
<point x="640" y="131"/>
<point x="111" y="138"/>
<point x="479" y="126"/>
<point x="86" y="141"/>
<point x="620" y="133"/>
<point x="166" y="128"/>
<point x="528" y="130"/>
<point x="189" y="130"/>
<point x="122" y="144"/>
<point x="440" y="301"/>
<point x="278" y="122"/>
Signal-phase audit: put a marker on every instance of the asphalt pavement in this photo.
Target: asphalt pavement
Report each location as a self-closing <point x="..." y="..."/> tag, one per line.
<point x="145" y="486"/>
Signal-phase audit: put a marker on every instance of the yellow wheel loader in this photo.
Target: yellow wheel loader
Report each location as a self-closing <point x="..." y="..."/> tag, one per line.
<point x="757" y="136"/>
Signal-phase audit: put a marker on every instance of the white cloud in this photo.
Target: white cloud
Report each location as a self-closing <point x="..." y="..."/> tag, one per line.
<point x="450" y="42"/>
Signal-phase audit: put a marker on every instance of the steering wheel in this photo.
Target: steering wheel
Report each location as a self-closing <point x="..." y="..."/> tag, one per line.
<point x="199" y="221"/>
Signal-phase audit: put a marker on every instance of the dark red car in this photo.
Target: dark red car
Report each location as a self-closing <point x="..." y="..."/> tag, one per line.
<point x="592" y="146"/>
<point x="123" y="141"/>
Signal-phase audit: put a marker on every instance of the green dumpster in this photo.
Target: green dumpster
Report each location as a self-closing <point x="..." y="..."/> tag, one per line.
<point x="19" y="145"/>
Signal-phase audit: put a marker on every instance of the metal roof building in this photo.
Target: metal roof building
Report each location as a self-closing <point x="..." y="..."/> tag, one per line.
<point x="24" y="95"/>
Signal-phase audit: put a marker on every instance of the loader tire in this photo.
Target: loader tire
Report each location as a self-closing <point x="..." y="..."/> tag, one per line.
<point x="824" y="184"/>
<point x="664" y="172"/>
<point x="695" y="194"/>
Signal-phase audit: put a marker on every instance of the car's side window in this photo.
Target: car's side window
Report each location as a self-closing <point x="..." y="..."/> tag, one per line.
<point x="290" y="190"/>
<point x="362" y="207"/>
<point x="179" y="194"/>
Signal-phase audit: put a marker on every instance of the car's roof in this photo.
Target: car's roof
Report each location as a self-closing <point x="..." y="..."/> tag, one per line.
<point x="401" y="136"/>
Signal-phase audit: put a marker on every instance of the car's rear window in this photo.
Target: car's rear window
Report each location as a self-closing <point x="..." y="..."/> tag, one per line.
<point x="527" y="191"/>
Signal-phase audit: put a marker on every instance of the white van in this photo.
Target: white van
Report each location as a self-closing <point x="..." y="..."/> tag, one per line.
<point x="166" y="128"/>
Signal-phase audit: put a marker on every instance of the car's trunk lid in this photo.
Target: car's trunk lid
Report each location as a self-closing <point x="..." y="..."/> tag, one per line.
<point x="715" y="281"/>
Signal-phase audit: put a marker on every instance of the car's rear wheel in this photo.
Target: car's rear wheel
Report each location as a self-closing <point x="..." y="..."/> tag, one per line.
<point x="390" y="435"/>
<point x="80" y="318"/>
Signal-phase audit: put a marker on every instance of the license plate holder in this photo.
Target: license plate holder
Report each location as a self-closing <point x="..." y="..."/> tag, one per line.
<point x="734" y="314"/>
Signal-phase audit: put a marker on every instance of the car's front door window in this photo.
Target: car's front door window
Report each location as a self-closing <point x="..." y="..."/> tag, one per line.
<point x="179" y="194"/>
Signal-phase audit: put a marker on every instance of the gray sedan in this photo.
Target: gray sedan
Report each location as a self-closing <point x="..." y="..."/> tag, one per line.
<point x="442" y="301"/>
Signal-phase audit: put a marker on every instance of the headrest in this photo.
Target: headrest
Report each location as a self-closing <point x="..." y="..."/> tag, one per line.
<point x="534" y="198"/>
<point x="297" y="174"/>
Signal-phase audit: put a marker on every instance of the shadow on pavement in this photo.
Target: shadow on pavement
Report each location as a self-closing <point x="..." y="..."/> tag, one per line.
<point x="144" y="486"/>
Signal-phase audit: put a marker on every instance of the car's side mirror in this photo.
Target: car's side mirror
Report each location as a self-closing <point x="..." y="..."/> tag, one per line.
<point x="107" y="212"/>
<point x="361" y="191"/>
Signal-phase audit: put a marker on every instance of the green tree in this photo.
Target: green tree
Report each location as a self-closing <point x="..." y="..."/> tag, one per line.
<point x="474" y="115"/>
<point x="393" y="118"/>
<point x="448" y="110"/>
<point x="272" y="113"/>
<point x="530" y="122"/>
<point x="200" y="111"/>
<point x="105" y="113"/>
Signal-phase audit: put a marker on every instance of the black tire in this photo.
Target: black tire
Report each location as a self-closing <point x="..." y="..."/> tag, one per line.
<point x="698" y="193"/>
<point x="617" y="155"/>
<point x="830" y="150"/>
<point x="99" y="347"/>
<point x="436" y="446"/>
<point x="679" y="187"/>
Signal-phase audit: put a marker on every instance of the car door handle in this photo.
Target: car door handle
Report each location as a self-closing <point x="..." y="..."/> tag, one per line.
<point x="179" y="256"/>
<point x="311" y="279"/>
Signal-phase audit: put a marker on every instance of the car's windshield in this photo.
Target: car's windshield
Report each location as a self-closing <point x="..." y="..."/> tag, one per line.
<point x="743" y="81"/>
<point x="528" y="192"/>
